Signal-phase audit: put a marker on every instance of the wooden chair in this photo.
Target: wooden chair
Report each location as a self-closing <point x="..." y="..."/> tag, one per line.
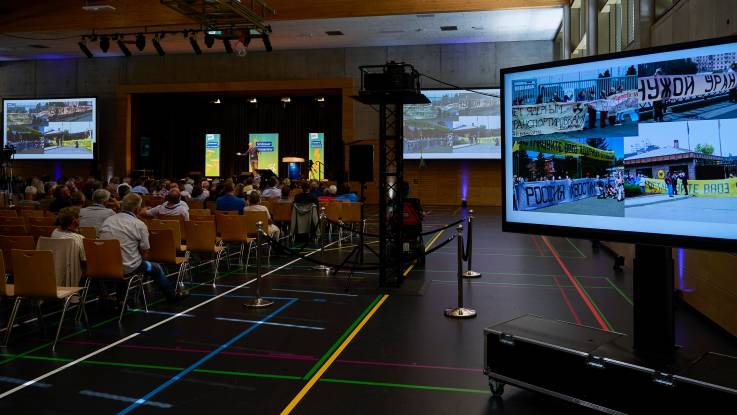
<point x="34" y="278"/>
<point x="105" y="263"/>
<point x="227" y="212"/>
<point x="199" y="212"/>
<point x="176" y="231"/>
<point x="89" y="232"/>
<point x="12" y="221"/>
<point x="195" y="204"/>
<point x="6" y="290"/>
<point x="31" y="213"/>
<point x="251" y="219"/>
<point x="50" y="214"/>
<point x="8" y="212"/>
<point x="283" y="215"/>
<point x="43" y="221"/>
<point x="13" y="230"/>
<point x="164" y="251"/>
<point x="233" y="230"/>
<point x="352" y="215"/>
<point x="334" y="213"/>
<point x="202" y="218"/>
<point x="8" y="243"/>
<point x="202" y="239"/>
<point x="37" y="231"/>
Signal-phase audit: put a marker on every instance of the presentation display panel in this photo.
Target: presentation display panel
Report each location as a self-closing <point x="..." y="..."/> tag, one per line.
<point x="263" y="152"/>
<point x="58" y="128"/>
<point x="317" y="154"/>
<point x="212" y="155"/>
<point x="638" y="146"/>
<point x="457" y="124"/>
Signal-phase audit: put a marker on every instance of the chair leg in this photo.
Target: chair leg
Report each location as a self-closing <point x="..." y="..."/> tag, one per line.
<point x="36" y="305"/>
<point x="248" y="258"/>
<point x="58" y="329"/>
<point x="240" y="257"/>
<point x="83" y="307"/>
<point x="125" y="298"/>
<point x="11" y="321"/>
<point x="143" y="293"/>
<point x="83" y="299"/>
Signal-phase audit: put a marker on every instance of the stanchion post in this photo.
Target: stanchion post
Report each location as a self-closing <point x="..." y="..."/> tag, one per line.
<point x="323" y="218"/>
<point x="460" y="311"/>
<point x="258" y="302"/>
<point x="470" y="273"/>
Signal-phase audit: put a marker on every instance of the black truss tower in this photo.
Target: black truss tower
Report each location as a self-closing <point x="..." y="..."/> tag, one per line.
<point x="390" y="86"/>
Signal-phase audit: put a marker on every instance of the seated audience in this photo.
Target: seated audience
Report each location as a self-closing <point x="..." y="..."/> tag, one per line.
<point x="205" y="188"/>
<point x="254" y="198"/>
<point x="68" y="228"/>
<point x="77" y="200"/>
<point x="173" y="206"/>
<point x="122" y="190"/>
<point x="95" y="214"/>
<point x="229" y="201"/>
<point x="133" y="236"/>
<point x="61" y="199"/>
<point x="347" y="194"/>
<point x="198" y="193"/>
<point x="305" y="197"/>
<point x="329" y="193"/>
<point x="30" y="198"/>
<point x="285" y="191"/>
<point x="271" y="190"/>
<point x="315" y="189"/>
<point x="140" y="188"/>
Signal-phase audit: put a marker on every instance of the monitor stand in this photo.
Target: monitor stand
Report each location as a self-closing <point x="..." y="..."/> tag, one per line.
<point x="653" y="321"/>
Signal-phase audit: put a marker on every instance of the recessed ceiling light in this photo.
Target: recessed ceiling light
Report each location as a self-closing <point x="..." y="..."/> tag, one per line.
<point x="334" y="33"/>
<point x="448" y="28"/>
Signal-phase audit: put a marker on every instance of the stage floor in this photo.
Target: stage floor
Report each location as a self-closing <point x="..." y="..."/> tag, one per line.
<point x="320" y="349"/>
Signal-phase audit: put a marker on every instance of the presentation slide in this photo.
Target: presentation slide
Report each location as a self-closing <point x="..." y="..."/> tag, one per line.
<point x="59" y="128"/>
<point x="263" y="152"/>
<point x="457" y="124"/>
<point x="317" y="154"/>
<point x="642" y="144"/>
<point x="212" y="155"/>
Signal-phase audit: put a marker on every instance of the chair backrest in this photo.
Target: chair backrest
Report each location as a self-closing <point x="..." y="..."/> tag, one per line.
<point x="201" y="236"/>
<point x="8" y="243"/>
<point x="334" y="211"/>
<point x="30" y="213"/>
<point x="50" y="214"/>
<point x="201" y="218"/>
<point x="232" y="228"/>
<point x="8" y="212"/>
<point x="44" y="221"/>
<point x="211" y="205"/>
<point x="227" y="212"/>
<point x="173" y="225"/>
<point x="3" y="288"/>
<point x="88" y="232"/>
<point x="163" y="249"/>
<point x="199" y="212"/>
<point x="195" y="204"/>
<point x="104" y="259"/>
<point x="38" y="231"/>
<point x="153" y="200"/>
<point x="67" y="266"/>
<point x="253" y="217"/>
<point x="13" y="230"/>
<point x="282" y="212"/>
<point x="12" y="220"/>
<point x="33" y="273"/>
<point x="352" y="212"/>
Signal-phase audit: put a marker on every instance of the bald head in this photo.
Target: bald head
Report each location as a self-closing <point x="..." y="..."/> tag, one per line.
<point x="173" y="196"/>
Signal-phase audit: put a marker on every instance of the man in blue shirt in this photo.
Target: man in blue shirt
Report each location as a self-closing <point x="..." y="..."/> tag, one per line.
<point x="229" y="201"/>
<point x="347" y="194"/>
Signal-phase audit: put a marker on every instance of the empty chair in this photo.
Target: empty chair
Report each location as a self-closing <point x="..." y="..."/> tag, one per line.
<point x="34" y="279"/>
<point x="13" y="230"/>
<point x="352" y="215"/>
<point x="38" y="231"/>
<point x="334" y="213"/>
<point x="105" y="263"/>
<point x="233" y="230"/>
<point x="175" y="227"/>
<point x="8" y="243"/>
<point x="164" y="251"/>
<point x="202" y="239"/>
<point x="88" y="232"/>
<point x="282" y="214"/>
<point x="199" y="212"/>
<point x="195" y="204"/>
<point x="67" y="265"/>
<point x="201" y="218"/>
<point x="6" y="290"/>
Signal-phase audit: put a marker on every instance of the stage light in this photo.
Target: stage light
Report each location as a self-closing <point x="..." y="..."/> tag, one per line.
<point x="217" y="101"/>
<point x="158" y="47"/>
<point x="85" y="49"/>
<point x="123" y="48"/>
<point x="209" y="40"/>
<point x="320" y="99"/>
<point x="104" y="44"/>
<point x="195" y="46"/>
<point x="253" y="101"/>
<point x="140" y="42"/>
<point x="228" y="46"/>
<point x="286" y="99"/>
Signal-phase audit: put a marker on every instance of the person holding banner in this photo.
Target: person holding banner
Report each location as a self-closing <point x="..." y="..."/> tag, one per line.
<point x="669" y="184"/>
<point x="659" y="105"/>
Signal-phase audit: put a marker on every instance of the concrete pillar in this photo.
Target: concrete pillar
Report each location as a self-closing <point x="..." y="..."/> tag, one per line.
<point x="566" y="40"/>
<point x="592" y="27"/>
<point x="644" y="20"/>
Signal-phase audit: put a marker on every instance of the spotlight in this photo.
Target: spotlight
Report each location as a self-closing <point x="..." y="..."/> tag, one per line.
<point x="227" y="45"/>
<point x="104" y="44"/>
<point x="83" y="46"/>
<point x="286" y="99"/>
<point x="140" y="42"/>
<point x="209" y="40"/>
<point x="158" y="47"/>
<point x="123" y="48"/>
<point x="320" y="99"/>
<point x="195" y="46"/>
<point x="253" y="101"/>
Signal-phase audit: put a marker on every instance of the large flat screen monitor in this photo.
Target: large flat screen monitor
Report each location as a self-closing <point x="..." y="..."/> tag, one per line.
<point x="457" y="124"/>
<point x="55" y="128"/>
<point x="638" y="146"/>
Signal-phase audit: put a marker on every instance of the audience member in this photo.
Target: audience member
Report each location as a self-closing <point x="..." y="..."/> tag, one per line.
<point x="271" y="190"/>
<point x="30" y="198"/>
<point x="95" y="214"/>
<point x="228" y="201"/>
<point x="305" y="197"/>
<point x="254" y="198"/>
<point x="61" y="199"/>
<point x="347" y="194"/>
<point x="77" y="200"/>
<point x="140" y="188"/>
<point x="285" y="191"/>
<point x="173" y="206"/>
<point x="68" y="220"/>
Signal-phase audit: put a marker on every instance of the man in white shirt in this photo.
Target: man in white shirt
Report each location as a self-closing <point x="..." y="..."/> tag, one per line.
<point x="272" y="190"/>
<point x="172" y="207"/>
<point x="133" y="236"/>
<point x="253" y="206"/>
<point x="95" y="214"/>
<point x="205" y="188"/>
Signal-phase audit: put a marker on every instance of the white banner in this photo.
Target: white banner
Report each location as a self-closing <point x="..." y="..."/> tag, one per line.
<point x="655" y="88"/>
<point x="622" y="102"/>
<point x="553" y="117"/>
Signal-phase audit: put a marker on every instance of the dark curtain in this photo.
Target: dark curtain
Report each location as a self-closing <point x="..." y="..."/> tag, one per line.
<point x="175" y="125"/>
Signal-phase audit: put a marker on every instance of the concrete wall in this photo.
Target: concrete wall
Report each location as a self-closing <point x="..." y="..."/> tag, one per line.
<point x="695" y="19"/>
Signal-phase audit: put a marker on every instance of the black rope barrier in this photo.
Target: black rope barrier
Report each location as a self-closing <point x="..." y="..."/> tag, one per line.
<point x="442" y="228"/>
<point x="287" y="250"/>
<point x="435" y="248"/>
<point x="373" y="235"/>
